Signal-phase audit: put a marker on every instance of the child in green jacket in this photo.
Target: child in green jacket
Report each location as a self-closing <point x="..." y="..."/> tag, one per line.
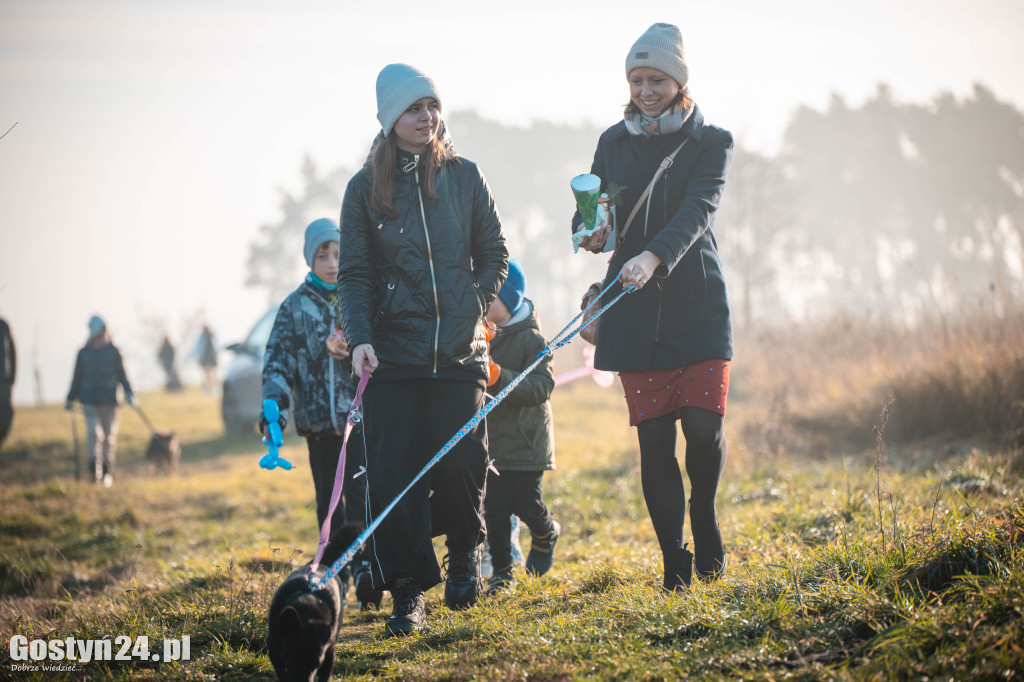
<point x="520" y="433"/>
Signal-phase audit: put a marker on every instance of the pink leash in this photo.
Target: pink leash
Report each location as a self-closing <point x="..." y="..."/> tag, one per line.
<point x="339" y="475"/>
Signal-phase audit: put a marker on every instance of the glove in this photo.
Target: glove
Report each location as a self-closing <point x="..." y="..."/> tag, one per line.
<point x="130" y="398"/>
<point x="69" y="405"/>
<point x="493" y="372"/>
<point x="493" y="368"/>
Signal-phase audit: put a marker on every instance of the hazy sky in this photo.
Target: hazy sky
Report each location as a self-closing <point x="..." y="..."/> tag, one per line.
<point x="152" y="137"/>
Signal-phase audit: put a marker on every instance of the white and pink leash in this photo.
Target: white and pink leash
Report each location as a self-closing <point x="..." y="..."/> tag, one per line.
<point x="560" y="339"/>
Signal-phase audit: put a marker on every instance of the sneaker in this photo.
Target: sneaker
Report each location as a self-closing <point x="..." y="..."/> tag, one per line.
<point x="409" y="612"/>
<point x="108" y="480"/>
<point x="678" y="569"/>
<point x="501" y="580"/>
<point x="542" y="551"/>
<point x="366" y="595"/>
<point x="464" y="582"/>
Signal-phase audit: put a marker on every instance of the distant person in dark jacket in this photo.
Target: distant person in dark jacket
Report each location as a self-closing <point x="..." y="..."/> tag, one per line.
<point x="166" y="357"/>
<point x="520" y="432"/>
<point x="98" y="371"/>
<point x="423" y="256"/>
<point x="206" y="353"/>
<point x="309" y="375"/>
<point x="670" y="340"/>
<point x="8" y="369"/>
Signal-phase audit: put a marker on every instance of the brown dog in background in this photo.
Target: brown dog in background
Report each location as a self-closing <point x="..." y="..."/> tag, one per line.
<point x="164" y="453"/>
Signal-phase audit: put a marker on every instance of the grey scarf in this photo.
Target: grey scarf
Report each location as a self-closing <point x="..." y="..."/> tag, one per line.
<point x="669" y="122"/>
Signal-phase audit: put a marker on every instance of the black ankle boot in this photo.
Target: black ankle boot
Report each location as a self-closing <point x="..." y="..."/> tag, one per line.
<point x="409" y="612"/>
<point x="366" y="595"/>
<point x="464" y="582"/>
<point x="709" y="553"/>
<point x="678" y="569"/>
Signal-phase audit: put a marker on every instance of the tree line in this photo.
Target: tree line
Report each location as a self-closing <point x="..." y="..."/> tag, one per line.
<point x="899" y="210"/>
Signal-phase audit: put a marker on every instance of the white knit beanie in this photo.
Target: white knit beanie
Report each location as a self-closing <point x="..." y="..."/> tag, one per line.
<point x="661" y="48"/>
<point x="398" y="86"/>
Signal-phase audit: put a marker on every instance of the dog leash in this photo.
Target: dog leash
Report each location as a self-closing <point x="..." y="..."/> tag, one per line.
<point x="339" y="475"/>
<point x="557" y="341"/>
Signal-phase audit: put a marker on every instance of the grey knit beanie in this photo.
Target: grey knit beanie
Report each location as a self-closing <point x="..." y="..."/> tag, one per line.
<point x="318" y="232"/>
<point x="661" y="48"/>
<point x="398" y="86"/>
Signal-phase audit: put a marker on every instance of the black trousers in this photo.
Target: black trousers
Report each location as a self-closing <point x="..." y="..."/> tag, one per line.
<point x="519" y="493"/>
<point x="324" y="452"/>
<point x="406" y="423"/>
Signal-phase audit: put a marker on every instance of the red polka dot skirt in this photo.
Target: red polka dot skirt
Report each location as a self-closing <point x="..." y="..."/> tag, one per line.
<point x="654" y="393"/>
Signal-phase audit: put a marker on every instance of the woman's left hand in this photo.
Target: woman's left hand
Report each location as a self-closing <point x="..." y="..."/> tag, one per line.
<point x="637" y="271"/>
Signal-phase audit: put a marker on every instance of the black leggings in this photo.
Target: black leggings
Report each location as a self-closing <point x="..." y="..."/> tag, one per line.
<point x="660" y="475"/>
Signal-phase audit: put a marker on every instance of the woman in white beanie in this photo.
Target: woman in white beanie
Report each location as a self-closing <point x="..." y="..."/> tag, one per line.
<point x="423" y="256"/>
<point x="670" y="340"/>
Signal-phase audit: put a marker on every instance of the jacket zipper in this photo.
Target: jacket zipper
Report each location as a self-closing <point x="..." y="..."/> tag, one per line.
<point x="430" y="261"/>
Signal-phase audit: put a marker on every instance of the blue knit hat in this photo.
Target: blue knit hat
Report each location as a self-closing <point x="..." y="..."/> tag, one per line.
<point x="318" y="232"/>
<point x="513" y="291"/>
<point x="398" y="86"/>
<point x="96" y="325"/>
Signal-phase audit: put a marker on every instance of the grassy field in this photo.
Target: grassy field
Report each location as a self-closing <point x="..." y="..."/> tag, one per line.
<point x="853" y="554"/>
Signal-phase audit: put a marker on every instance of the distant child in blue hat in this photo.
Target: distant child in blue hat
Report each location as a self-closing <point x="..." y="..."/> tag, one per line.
<point x="307" y="372"/>
<point x="520" y="432"/>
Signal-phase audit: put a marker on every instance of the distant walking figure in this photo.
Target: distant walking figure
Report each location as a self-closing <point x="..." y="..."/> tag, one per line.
<point x="166" y="357"/>
<point x="206" y="353"/>
<point x="671" y="340"/>
<point x="8" y="369"/>
<point x="98" y="371"/>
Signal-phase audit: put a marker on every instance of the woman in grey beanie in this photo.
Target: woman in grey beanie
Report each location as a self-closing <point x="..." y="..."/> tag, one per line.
<point x="423" y="257"/>
<point x="670" y="340"/>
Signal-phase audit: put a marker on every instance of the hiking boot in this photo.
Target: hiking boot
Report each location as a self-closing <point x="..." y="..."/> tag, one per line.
<point x="409" y="612"/>
<point x="501" y="580"/>
<point x="678" y="569"/>
<point x="366" y="595"/>
<point x="464" y="582"/>
<point x="709" y="553"/>
<point x="542" y="551"/>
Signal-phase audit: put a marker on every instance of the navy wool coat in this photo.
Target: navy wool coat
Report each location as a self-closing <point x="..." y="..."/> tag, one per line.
<point x="681" y="316"/>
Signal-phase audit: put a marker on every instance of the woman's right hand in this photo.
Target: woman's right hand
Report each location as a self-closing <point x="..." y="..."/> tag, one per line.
<point x="363" y="359"/>
<point x="595" y="242"/>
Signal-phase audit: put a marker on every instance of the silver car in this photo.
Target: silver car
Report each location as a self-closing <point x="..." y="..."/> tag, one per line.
<point x="242" y="399"/>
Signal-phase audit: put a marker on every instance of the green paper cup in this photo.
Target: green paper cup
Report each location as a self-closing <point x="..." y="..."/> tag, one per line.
<point x="587" y="190"/>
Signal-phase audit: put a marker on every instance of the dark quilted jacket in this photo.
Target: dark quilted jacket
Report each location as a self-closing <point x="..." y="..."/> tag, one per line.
<point x="418" y="290"/>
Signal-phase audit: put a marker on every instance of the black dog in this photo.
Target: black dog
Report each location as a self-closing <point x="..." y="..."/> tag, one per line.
<point x="303" y="623"/>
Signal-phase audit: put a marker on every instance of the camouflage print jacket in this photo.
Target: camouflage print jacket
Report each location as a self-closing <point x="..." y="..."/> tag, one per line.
<point x="298" y="374"/>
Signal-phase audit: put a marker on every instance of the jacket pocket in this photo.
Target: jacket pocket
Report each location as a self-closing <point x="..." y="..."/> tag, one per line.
<point x="480" y="298"/>
<point x="386" y="300"/>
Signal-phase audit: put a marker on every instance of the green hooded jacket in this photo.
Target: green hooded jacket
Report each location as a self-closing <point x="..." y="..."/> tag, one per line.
<point x="520" y="431"/>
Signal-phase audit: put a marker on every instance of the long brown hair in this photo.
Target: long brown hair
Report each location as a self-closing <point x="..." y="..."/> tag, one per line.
<point x="682" y="99"/>
<point x="384" y="168"/>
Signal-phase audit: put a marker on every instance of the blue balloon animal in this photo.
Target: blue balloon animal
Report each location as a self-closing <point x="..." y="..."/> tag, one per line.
<point x="274" y="438"/>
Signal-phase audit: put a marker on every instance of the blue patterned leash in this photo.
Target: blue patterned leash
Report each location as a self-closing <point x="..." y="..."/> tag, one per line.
<point x="557" y="341"/>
